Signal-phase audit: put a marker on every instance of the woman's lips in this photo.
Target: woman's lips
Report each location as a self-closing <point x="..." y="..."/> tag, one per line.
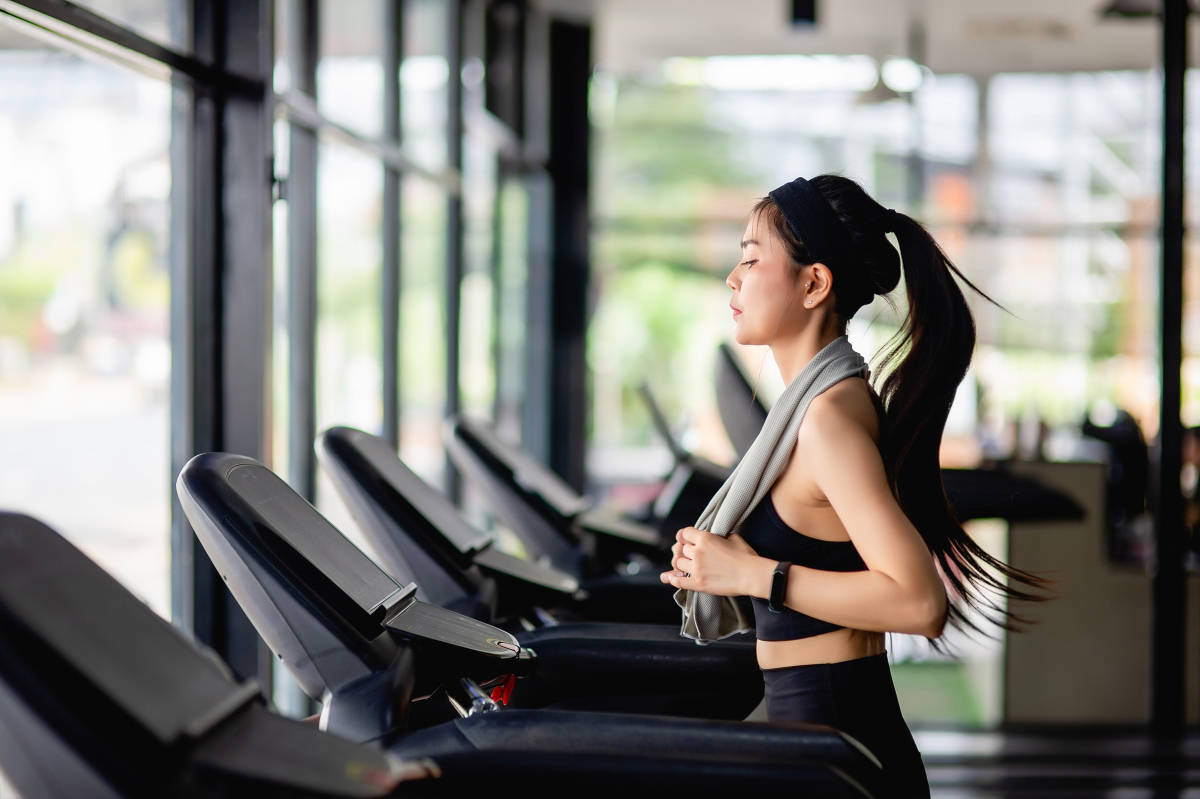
<point x="736" y="312"/>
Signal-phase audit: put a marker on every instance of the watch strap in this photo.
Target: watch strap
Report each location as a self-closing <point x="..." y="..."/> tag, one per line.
<point x="775" y="603"/>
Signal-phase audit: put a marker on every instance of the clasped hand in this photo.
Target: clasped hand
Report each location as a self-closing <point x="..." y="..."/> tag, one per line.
<point x="712" y="564"/>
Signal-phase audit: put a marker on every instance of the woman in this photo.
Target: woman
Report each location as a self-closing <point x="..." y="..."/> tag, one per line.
<point x="851" y="528"/>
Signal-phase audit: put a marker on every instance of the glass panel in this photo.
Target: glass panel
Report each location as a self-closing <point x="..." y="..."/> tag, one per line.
<point x="350" y="72"/>
<point x="349" y="187"/>
<point x="1190" y="406"/>
<point x="1068" y="187"/>
<point x="1073" y="201"/>
<point x="84" y="287"/>
<point x="423" y="76"/>
<point x="670" y="193"/>
<point x="349" y="389"/>
<point x="476" y="349"/>
<point x="423" y="80"/>
<point x="1050" y="204"/>
<point x="512" y="221"/>
<point x="423" y="328"/>
<point x="158" y="20"/>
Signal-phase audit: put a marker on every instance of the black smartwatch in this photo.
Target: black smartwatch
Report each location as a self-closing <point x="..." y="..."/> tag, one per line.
<point x="779" y="587"/>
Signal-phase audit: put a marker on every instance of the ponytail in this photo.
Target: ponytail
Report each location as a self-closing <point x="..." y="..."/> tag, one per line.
<point x="924" y="363"/>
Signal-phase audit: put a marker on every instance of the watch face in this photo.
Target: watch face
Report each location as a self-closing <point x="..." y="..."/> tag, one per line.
<point x="779" y="587"/>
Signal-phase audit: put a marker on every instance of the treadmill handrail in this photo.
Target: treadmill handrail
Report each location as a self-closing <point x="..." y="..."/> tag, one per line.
<point x="739" y="405"/>
<point x="660" y="424"/>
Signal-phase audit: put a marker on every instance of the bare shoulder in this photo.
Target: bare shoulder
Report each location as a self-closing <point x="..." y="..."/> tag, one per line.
<point x="845" y="409"/>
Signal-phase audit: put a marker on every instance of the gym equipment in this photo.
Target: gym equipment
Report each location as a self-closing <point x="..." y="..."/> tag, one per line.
<point x="553" y="521"/>
<point x="419" y="536"/>
<point x="333" y="618"/>
<point x="99" y="697"/>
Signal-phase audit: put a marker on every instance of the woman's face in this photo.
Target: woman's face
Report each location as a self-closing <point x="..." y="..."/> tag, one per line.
<point x="765" y="286"/>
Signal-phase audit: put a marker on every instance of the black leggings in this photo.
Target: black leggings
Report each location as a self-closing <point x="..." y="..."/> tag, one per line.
<point x="858" y="698"/>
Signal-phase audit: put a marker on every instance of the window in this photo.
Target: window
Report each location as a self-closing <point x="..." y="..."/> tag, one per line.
<point x="85" y="179"/>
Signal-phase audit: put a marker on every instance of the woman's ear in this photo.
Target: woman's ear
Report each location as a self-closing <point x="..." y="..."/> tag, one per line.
<point x="818" y="284"/>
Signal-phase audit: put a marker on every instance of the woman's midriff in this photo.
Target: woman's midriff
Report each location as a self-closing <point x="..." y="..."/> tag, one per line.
<point x="834" y="647"/>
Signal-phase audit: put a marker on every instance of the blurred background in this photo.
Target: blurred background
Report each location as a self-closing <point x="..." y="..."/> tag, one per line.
<point x="1026" y="136"/>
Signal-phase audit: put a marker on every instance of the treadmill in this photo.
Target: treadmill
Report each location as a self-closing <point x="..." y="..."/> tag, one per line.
<point x="419" y="536"/>
<point x="988" y="493"/>
<point x="99" y="697"/>
<point x="555" y="523"/>
<point x="333" y="617"/>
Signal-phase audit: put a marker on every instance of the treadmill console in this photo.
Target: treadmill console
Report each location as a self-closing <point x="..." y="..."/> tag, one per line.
<point x="70" y="617"/>
<point x="305" y="555"/>
<point x="321" y="544"/>
<point x="430" y="506"/>
<point x="429" y="623"/>
<point x="527" y="472"/>
<point x="422" y="512"/>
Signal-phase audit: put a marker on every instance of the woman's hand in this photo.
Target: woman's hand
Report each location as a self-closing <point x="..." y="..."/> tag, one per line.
<point x="715" y="565"/>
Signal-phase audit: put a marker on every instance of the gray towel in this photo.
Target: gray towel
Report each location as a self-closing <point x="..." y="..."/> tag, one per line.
<point x="708" y="618"/>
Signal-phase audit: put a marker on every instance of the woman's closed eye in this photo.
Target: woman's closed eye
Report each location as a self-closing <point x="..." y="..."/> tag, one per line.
<point x="749" y="263"/>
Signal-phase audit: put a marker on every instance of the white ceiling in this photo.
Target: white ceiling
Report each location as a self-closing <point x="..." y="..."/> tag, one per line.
<point x="972" y="36"/>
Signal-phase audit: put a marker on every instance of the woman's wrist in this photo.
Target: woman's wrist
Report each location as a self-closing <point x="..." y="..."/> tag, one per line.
<point x="758" y="578"/>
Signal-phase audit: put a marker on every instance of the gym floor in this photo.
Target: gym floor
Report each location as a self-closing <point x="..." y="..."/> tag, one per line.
<point x="1092" y="762"/>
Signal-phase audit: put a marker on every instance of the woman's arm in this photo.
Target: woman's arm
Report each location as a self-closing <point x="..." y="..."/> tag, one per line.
<point x="899" y="592"/>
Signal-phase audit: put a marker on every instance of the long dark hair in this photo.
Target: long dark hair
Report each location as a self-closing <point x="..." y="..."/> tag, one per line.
<point x="924" y="363"/>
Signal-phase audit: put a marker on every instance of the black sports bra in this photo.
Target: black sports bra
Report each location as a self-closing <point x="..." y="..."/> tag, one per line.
<point x="767" y="534"/>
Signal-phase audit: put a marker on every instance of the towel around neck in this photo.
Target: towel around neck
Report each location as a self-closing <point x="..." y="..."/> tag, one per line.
<point x="708" y="618"/>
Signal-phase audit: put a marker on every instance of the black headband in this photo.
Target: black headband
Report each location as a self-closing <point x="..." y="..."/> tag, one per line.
<point x="814" y="222"/>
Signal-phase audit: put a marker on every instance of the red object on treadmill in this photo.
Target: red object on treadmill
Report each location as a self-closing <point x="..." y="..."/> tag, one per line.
<point x="503" y="691"/>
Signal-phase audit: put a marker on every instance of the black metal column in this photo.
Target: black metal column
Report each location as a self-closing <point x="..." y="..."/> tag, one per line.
<point x="302" y="55"/>
<point x="454" y="221"/>
<point x="220" y="296"/>
<point x="246" y="279"/>
<point x="1169" y="603"/>
<point x="195" y="339"/>
<point x="570" y="71"/>
<point x="393" y="47"/>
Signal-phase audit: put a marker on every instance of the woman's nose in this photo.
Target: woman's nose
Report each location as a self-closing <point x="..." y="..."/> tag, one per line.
<point x="733" y="281"/>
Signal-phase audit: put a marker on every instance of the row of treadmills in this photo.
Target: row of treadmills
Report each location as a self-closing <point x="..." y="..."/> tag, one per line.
<point x="443" y="666"/>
